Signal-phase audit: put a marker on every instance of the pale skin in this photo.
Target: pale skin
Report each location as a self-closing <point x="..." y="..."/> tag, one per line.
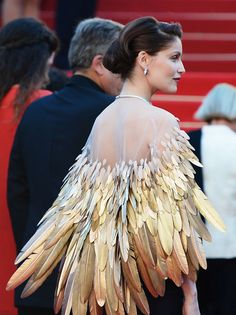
<point x="190" y="305"/>
<point x="164" y="71"/>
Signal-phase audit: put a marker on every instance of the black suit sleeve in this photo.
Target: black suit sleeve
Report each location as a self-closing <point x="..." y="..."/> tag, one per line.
<point x="195" y="140"/>
<point x="17" y="192"/>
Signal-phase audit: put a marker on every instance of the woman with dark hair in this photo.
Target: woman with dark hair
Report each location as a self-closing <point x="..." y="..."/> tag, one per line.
<point x="27" y="48"/>
<point x="128" y="214"/>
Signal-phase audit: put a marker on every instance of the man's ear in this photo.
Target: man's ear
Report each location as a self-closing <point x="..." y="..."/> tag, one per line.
<point x="97" y="65"/>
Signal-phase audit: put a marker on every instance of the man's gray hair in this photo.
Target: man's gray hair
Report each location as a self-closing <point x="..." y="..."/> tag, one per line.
<point x="220" y="102"/>
<point x="92" y="37"/>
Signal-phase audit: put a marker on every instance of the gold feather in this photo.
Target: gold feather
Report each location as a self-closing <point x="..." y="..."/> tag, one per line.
<point x="127" y="298"/>
<point x="157" y="280"/>
<point x="132" y="308"/>
<point x="32" y="285"/>
<point x="120" y="310"/>
<point x="26" y="269"/>
<point x="147" y="246"/>
<point x="165" y="237"/>
<point x="145" y="276"/>
<point x="132" y="217"/>
<point x="143" y="252"/>
<point x="177" y="220"/>
<point x="161" y="267"/>
<point x="123" y="239"/>
<point x="111" y="296"/>
<point x="94" y="308"/>
<point x="192" y="255"/>
<point x="206" y="209"/>
<point x="79" y="308"/>
<point x="189" y="205"/>
<point x="140" y="300"/>
<point x="174" y="273"/>
<point x="117" y="279"/>
<point x="184" y="219"/>
<point x="184" y="241"/>
<point x="65" y="269"/>
<point x="152" y="245"/>
<point x="86" y="271"/>
<point x="60" y="231"/>
<point x="58" y="300"/>
<point x="108" y="310"/>
<point x="40" y="236"/>
<point x="51" y="254"/>
<point x="159" y="250"/>
<point x="179" y="254"/>
<point x="197" y="247"/>
<point x="100" y="285"/>
<point x="200" y="227"/>
<point x="152" y="200"/>
<point x="131" y="272"/>
<point x="102" y="253"/>
<point x="192" y="275"/>
<point x="67" y="301"/>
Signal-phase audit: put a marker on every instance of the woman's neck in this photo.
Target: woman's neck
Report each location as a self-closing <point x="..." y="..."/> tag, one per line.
<point x="131" y="88"/>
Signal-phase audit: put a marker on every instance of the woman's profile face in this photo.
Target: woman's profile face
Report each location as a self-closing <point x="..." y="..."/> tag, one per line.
<point x="166" y="67"/>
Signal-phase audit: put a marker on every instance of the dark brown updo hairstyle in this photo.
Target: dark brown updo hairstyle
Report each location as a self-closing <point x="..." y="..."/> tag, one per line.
<point x="143" y="34"/>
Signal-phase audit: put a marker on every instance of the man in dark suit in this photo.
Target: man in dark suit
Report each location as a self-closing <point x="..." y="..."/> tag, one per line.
<point x="52" y="133"/>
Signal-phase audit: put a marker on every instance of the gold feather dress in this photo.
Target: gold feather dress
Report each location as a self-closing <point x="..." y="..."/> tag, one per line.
<point x="128" y="215"/>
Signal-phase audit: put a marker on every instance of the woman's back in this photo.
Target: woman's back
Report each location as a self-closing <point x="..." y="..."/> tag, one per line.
<point x="126" y="130"/>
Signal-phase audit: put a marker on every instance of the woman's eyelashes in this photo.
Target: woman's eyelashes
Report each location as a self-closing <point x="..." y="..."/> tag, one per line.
<point x="176" y="57"/>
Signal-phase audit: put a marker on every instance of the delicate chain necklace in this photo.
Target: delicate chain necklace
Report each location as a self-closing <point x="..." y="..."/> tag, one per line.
<point x="133" y="96"/>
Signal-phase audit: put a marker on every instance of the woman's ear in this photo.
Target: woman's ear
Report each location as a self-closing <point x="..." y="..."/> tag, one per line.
<point x="143" y="59"/>
<point x="97" y="65"/>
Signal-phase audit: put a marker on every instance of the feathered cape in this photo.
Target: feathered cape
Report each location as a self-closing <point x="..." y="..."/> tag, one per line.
<point x="117" y="228"/>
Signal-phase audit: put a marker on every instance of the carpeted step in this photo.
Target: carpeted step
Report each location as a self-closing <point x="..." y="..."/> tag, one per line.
<point x="210" y="62"/>
<point x="199" y="83"/>
<point x="168" y="6"/>
<point x="191" y="21"/>
<point x="209" y="43"/>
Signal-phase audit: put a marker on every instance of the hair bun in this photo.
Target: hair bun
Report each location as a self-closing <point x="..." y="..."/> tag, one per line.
<point x="117" y="60"/>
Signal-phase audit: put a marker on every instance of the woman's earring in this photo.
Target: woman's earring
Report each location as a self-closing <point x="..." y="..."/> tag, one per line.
<point x="145" y="71"/>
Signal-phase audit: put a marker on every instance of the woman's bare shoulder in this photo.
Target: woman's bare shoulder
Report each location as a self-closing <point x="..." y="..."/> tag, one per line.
<point x="160" y="114"/>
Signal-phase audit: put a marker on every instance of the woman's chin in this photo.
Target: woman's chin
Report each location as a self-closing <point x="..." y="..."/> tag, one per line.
<point x="168" y="90"/>
<point x="171" y="90"/>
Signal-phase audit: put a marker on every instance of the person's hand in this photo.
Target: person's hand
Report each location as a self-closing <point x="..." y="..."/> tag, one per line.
<point x="190" y="306"/>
